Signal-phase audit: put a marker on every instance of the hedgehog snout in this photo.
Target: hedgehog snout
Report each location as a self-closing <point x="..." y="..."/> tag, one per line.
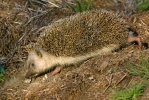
<point x="133" y="37"/>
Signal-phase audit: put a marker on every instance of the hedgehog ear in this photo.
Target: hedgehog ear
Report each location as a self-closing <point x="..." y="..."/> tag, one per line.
<point x="29" y="48"/>
<point x="38" y="52"/>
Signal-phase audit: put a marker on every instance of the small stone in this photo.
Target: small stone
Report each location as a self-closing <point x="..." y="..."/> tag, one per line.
<point x="28" y="80"/>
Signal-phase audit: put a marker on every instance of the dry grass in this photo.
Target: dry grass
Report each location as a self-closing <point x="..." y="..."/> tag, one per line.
<point x="21" y="26"/>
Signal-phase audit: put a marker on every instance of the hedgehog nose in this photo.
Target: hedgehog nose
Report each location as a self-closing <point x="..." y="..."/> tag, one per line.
<point x="133" y="33"/>
<point x="29" y="75"/>
<point x="137" y="39"/>
<point x="133" y="37"/>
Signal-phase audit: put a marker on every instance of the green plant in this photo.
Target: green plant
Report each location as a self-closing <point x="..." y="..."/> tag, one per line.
<point x="110" y="71"/>
<point x="1" y="77"/>
<point x="80" y="6"/>
<point x="131" y="92"/>
<point x="142" y="5"/>
<point x="2" y="72"/>
<point x="140" y="70"/>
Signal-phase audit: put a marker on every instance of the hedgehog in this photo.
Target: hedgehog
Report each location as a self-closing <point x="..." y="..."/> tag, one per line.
<point x="75" y="39"/>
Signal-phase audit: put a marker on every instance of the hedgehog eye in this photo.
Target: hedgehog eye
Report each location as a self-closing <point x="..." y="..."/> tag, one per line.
<point x="33" y="64"/>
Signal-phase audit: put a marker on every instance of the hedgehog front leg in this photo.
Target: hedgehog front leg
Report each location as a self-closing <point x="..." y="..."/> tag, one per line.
<point x="56" y="70"/>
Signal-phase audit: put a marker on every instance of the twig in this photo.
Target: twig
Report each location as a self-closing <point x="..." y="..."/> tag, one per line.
<point x="45" y="2"/>
<point x="69" y="2"/>
<point x="121" y="79"/>
<point x="38" y="2"/>
<point x="109" y="80"/>
<point x="53" y="4"/>
<point x="36" y="17"/>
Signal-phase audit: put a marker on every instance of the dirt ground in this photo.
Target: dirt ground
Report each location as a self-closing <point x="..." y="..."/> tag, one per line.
<point x="92" y="80"/>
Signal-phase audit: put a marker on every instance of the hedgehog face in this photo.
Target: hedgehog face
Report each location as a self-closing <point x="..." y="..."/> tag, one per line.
<point x="34" y="63"/>
<point x="31" y="65"/>
<point x="39" y="62"/>
<point x="30" y="72"/>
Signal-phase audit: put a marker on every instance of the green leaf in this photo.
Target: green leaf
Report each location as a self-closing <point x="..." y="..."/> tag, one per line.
<point x="2" y="72"/>
<point x="2" y="69"/>
<point x="71" y="7"/>
<point x="143" y="6"/>
<point x="131" y="92"/>
<point x="88" y="5"/>
<point x="1" y="77"/>
<point x="81" y="5"/>
<point x="140" y="70"/>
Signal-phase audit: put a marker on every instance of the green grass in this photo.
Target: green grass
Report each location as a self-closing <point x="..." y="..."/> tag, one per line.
<point x="141" y="69"/>
<point x="134" y="90"/>
<point x="131" y="92"/>
<point x="142" y="5"/>
<point x="80" y="6"/>
<point x="2" y="72"/>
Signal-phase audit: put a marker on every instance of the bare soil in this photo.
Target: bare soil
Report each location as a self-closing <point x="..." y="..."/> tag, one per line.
<point x="92" y="80"/>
